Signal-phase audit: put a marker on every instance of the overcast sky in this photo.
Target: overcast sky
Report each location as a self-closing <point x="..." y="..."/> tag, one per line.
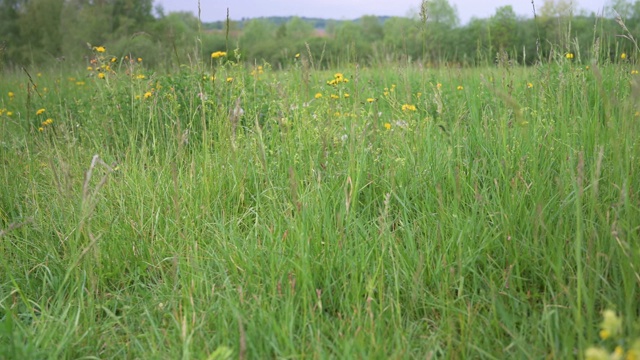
<point x="212" y="10"/>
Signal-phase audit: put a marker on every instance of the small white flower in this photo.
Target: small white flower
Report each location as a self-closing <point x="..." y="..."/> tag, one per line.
<point x="401" y="123"/>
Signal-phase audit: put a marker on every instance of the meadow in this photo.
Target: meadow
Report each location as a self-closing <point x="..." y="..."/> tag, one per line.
<point x="230" y="210"/>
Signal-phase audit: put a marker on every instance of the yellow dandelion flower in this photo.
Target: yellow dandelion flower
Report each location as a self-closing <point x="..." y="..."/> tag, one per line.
<point x="138" y="97"/>
<point x="346" y="95"/>
<point x="79" y="83"/>
<point x="438" y="86"/>
<point x="529" y="85"/>
<point x="139" y="60"/>
<point x="370" y="100"/>
<point x="569" y="56"/>
<point x="41" y="129"/>
<point x="101" y="75"/>
<point x="318" y="95"/>
<point x="460" y="87"/>
<point x="114" y="59"/>
<point x="594" y="353"/>
<point x="334" y="96"/>
<point x="40" y="111"/>
<point x="218" y="54"/>
<point x="387" y="126"/>
<point x="11" y="94"/>
<point x="408" y="107"/>
<point x="386" y="93"/>
<point x="99" y="49"/>
<point x="587" y="67"/>
<point x="140" y="77"/>
<point x="611" y="324"/>
<point x="9" y="113"/>
<point x="148" y="94"/>
<point x="89" y="68"/>
<point x="297" y="55"/>
<point x="634" y="72"/>
<point x="39" y="74"/>
<point x="618" y="352"/>
<point x="229" y="79"/>
<point x="623" y="56"/>
<point x="418" y="95"/>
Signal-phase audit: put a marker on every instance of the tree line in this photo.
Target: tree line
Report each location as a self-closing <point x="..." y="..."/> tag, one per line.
<point x="39" y="32"/>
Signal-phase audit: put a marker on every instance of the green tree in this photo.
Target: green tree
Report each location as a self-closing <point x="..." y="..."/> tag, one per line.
<point x="371" y="28"/>
<point x="503" y="28"/>
<point x="439" y="18"/>
<point x="10" y="38"/>
<point x="40" y="30"/>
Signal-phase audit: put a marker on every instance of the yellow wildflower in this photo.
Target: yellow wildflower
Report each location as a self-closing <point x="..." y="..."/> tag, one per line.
<point x="587" y="67"/>
<point x="40" y="129"/>
<point x="40" y="111"/>
<point x="101" y="75"/>
<point x="569" y="56"/>
<point x="89" y="68"/>
<point x="217" y="54"/>
<point x="529" y="85"/>
<point x="370" y="100"/>
<point x="346" y="95"/>
<point x="611" y="324"/>
<point x="594" y="353"/>
<point x="318" y="95"/>
<point x="460" y="87"/>
<point x="148" y="94"/>
<point x="140" y="77"/>
<point x="99" y="49"/>
<point x="297" y="55"/>
<point x="11" y="94"/>
<point x="139" y="60"/>
<point x="334" y="96"/>
<point x="9" y="113"/>
<point x="408" y="107"/>
<point x="387" y="126"/>
<point x="229" y="79"/>
<point x="114" y="59"/>
<point x="634" y="72"/>
<point x="623" y="56"/>
<point x="438" y="86"/>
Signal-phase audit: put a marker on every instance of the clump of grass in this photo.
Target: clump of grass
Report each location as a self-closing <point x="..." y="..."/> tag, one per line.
<point x="467" y="213"/>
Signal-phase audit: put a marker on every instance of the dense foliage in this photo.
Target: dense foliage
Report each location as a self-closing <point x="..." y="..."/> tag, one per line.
<point x="44" y="31"/>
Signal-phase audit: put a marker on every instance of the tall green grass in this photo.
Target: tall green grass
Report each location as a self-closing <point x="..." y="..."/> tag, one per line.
<point x="497" y="220"/>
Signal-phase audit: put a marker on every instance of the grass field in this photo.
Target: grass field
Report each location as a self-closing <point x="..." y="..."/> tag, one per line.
<point x="223" y="210"/>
